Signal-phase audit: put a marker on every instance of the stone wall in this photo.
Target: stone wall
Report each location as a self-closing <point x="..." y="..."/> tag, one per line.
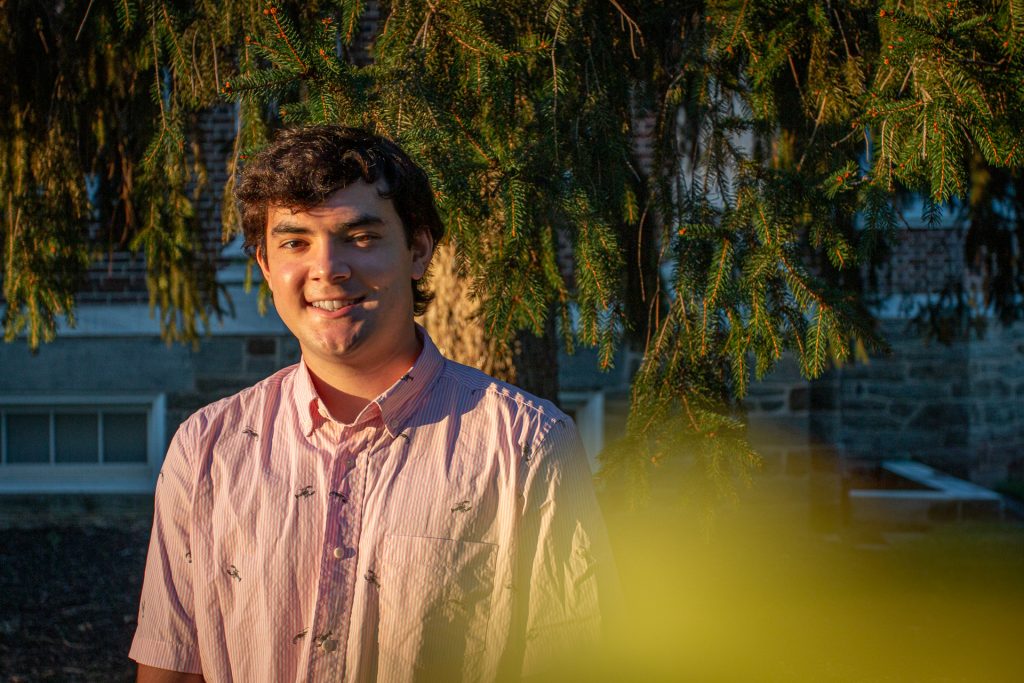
<point x="190" y="378"/>
<point x="956" y="407"/>
<point x="996" y="408"/>
<point x="778" y="418"/>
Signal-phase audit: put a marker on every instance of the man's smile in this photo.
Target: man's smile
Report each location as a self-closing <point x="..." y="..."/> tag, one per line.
<point x="335" y="305"/>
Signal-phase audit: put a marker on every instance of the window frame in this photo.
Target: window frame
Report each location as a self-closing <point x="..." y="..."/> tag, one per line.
<point x="587" y="408"/>
<point x="76" y="477"/>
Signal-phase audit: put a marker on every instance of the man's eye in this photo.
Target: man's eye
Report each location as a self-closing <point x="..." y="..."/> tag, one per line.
<point x="291" y="244"/>
<point x="363" y="238"/>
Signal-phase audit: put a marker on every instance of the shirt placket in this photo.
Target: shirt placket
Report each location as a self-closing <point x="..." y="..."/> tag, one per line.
<point x="332" y="615"/>
<point x="377" y="456"/>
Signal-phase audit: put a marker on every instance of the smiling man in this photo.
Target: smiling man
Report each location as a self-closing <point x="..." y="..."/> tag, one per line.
<point x="340" y="274"/>
<point x="375" y="512"/>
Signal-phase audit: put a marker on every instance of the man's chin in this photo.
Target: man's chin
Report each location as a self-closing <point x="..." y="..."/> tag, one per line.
<point x="341" y="352"/>
<point x="341" y="344"/>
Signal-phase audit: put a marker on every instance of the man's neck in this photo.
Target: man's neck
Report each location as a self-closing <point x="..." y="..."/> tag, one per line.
<point x="346" y="389"/>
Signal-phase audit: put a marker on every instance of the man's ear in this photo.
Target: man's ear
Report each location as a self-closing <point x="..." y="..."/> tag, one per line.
<point x="261" y="259"/>
<point x="422" y="252"/>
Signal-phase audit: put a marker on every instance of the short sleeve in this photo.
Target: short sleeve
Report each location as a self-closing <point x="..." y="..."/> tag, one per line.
<point x="570" y="589"/>
<point x="166" y="635"/>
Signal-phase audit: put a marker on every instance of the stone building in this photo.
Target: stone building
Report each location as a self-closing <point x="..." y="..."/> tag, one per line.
<point x="949" y="394"/>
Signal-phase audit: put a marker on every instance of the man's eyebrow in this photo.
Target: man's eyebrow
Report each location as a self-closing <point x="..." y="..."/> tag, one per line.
<point x="288" y="229"/>
<point x="359" y="221"/>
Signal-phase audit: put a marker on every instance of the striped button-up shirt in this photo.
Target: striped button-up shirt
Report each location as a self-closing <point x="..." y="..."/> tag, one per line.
<point x="449" y="533"/>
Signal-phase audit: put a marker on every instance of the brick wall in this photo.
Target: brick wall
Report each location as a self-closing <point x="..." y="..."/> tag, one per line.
<point x="370" y="24"/>
<point x="216" y="138"/>
<point x="119" y="276"/>
<point x="920" y="260"/>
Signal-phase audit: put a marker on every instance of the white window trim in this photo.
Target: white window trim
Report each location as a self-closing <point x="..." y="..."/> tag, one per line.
<point x="86" y="477"/>
<point x="589" y="409"/>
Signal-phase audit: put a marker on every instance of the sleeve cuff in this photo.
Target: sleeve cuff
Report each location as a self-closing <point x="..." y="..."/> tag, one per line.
<point x="169" y="656"/>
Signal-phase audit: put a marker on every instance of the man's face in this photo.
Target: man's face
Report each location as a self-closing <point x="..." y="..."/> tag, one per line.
<point x="341" y="275"/>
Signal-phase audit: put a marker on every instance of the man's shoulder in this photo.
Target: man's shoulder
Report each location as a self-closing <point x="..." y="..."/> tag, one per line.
<point x="247" y="404"/>
<point x="502" y="399"/>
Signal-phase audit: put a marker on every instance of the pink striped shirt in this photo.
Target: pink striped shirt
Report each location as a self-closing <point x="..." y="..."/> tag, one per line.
<point x="449" y="533"/>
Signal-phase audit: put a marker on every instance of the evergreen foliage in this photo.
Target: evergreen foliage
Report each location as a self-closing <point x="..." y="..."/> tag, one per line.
<point x="783" y="133"/>
<point x="102" y="95"/>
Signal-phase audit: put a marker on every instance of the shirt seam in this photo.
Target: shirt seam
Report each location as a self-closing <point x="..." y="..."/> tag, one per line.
<point x="409" y="408"/>
<point x="549" y="415"/>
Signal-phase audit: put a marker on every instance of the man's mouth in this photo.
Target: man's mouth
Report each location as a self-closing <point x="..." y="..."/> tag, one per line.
<point x="335" y="304"/>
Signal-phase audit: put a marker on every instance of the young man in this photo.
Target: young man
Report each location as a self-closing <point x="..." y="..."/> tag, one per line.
<point x="375" y="512"/>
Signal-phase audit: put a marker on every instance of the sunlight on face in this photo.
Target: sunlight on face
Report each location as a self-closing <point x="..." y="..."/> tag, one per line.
<point x="341" y="276"/>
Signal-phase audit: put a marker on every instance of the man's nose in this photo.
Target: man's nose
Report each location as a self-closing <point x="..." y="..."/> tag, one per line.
<point x="330" y="262"/>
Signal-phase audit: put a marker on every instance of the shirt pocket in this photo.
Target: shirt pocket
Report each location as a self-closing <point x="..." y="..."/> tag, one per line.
<point x="435" y="604"/>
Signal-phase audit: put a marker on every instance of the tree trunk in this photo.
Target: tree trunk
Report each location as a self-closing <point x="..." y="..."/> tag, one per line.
<point x="453" y="321"/>
<point x="535" y="360"/>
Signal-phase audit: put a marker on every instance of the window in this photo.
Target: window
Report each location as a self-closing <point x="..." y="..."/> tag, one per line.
<point x="87" y="444"/>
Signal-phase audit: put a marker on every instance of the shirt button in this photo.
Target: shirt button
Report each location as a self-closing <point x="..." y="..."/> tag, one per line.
<point x="329" y="645"/>
<point x="339" y="552"/>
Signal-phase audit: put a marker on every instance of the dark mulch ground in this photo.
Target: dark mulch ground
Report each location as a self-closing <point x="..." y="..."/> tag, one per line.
<point x="799" y="604"/>
<point x="68" y="600"/>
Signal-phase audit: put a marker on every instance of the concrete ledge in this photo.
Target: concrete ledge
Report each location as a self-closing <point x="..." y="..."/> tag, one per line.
<point x="929" y="496"/>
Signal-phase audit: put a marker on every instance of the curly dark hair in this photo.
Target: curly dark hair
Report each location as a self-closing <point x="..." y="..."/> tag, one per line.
<point x="304" y="166"/>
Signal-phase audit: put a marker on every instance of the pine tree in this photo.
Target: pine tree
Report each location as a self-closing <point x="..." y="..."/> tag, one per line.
<point x="784" y="133"/>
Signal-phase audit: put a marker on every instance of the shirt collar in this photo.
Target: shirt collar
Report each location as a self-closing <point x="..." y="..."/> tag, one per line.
<point x="407" y="394"/>
<point x="306" y="400"/>
<point x="395" y="405"/>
